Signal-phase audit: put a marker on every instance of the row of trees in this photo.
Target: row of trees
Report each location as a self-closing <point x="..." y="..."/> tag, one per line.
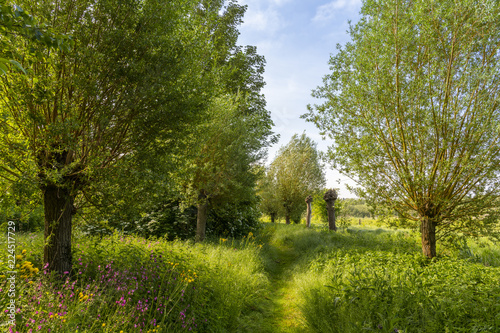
<point x="152" y="106"/>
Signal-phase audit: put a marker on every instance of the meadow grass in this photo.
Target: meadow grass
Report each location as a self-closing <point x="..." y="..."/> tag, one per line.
<point x="130" y="284"/>
<point x="286" y="278"/>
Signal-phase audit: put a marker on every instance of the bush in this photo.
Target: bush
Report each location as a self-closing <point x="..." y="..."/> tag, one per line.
<point x="232" y="220"/>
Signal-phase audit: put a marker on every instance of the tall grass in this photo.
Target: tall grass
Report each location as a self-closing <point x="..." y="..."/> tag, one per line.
<point x="360" y="279"/>
<point x="130" y="284"/>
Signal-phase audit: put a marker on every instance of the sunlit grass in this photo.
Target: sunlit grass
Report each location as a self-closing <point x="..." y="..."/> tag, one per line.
<point x="285" y="278"/>
<point x="130" y="284"/>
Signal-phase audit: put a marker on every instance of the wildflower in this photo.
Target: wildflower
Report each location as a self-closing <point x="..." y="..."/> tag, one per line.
<point x="19" y="257"/>
<point x="23" y="252"/>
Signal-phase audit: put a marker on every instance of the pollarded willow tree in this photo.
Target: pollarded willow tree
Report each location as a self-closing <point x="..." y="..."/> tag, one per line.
<point x="136" y="75"/>
<point x="412" y="104"/>
<point x="295" y="173"/>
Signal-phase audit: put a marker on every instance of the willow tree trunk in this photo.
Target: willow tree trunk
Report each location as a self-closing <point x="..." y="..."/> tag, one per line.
<point x="330" y="197"/>
<point x="58" y="209"/>
<point x="201" y="220"/>
<point x="330" y="208"/>
<point x="309" y="199"/>
<point x="428" y="232"/>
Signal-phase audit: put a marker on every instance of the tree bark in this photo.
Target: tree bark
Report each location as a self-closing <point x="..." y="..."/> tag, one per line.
<point x="273" y="216"/>
<point x="287" y="218"/>
<point x="309" y="199"/>
<point x="201" y="220"/>
<point x="428" y="231"/>
<point x="330" y="207"/>
<point x="58" y="209"/>
<point x="330" y="197"/>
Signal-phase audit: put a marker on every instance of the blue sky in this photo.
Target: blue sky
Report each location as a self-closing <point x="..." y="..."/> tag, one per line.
<point x="297" y="38"/>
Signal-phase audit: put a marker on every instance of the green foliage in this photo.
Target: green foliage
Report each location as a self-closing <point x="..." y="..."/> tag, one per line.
<point x="357" y="208"/>
<point x="155" y="284"/>
<point x="295" y="173"/>
<point x="411" y="106"/>
<point x="318" y="206"/>
<point x="401" y="292"/>
<point x="269" y="203"/>
<point x="233" y="219"/>
<point x="16" y="23"/>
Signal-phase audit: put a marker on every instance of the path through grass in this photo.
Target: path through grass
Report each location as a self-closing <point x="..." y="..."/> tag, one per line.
<point x="285" y="315"/>
<point x="285" y="279"/>
<point x="371" y="280"/>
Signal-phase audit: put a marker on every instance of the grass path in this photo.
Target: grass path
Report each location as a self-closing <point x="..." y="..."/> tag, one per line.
<point x="282" y="313"/>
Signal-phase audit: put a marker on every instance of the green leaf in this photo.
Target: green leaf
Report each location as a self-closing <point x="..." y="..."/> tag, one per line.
<point x="18" y="65"/>
<point x="3" y="68"/>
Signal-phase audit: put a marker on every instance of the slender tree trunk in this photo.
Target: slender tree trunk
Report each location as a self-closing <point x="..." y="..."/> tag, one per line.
<point x="309" y="199"/>
<point x="330" y="207"/>
<point x="58" y="209"/>
<point x="201" y="221"/>
<point x="330" y="197"/>
<point x="428" y="231"/>
<point x="287" y="218"/>
<point x="273" y="216"/>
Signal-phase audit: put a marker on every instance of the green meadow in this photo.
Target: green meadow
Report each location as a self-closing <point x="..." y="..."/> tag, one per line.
<point x="283" y="278"/>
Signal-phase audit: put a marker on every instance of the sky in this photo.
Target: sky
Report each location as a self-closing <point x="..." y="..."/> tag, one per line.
<point x="297" y="38"/>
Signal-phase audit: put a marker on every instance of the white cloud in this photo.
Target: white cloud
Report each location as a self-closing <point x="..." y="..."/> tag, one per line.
<point x="264" y="15"/>
<point x="268" y="20"/>
<point x="329" y="11"/>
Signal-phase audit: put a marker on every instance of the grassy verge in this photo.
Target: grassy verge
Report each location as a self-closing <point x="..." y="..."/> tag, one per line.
<point x="285" y="279"/>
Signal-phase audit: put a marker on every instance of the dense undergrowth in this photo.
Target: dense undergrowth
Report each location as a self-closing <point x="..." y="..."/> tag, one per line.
<point x="130" y="284"/>
<point x="355" y="280"/>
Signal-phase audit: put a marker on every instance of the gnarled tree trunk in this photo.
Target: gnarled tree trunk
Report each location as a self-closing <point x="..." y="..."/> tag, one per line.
<point x="309" y="199"/>
<point x="58" y="209"/>
<point x="428" y="232"/>
<point x="330" y="197"/>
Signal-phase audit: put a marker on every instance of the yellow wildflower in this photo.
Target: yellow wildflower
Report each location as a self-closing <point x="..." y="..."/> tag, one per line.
<point x="19" y="257"/>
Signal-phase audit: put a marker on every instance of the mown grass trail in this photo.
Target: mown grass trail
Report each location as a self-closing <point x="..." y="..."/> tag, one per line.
<point x="285" y="315"/>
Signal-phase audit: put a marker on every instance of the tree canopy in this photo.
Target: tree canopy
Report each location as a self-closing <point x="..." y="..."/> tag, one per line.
<point x="295" y="173"/>
<point x="142" y="80"/>
<point x="412" y="104"/>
